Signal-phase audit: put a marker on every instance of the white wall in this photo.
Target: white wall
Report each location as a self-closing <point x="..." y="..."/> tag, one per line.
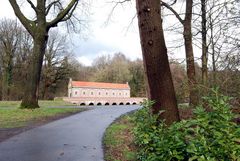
<point x="93" y="92"/>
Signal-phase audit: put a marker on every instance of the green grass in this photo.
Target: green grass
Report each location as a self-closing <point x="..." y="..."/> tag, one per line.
<point x="118" y="140"/>
<point x="114" y="130"/>
<point x="42" y="103"/>
<point x="14" y="117"/>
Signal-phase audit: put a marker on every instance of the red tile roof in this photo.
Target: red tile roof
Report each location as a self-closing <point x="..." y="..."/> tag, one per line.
<point x="99" y="85"/>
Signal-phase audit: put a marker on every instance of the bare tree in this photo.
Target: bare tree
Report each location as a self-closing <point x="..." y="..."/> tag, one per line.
<point x="115" y="69"/>
<point x="156" y="64"/>
<point x="53" y="71"/>
<point x="38" y="28"/>
<point x="187" y="35"/>
<point x="10" y="35"/>
<point x="204" y="43"/>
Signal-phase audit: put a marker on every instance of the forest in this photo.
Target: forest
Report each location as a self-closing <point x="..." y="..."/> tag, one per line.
<point x="60" y="63"/>
<point x="36" y="63"/>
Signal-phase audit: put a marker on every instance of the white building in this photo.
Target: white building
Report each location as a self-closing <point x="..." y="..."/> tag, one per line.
<point x="79" y="89"/>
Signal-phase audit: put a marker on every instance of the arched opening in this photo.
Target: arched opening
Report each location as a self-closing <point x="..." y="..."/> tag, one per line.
<point x="121" y="103"/>
<point x="127" y="103"/>
<point x="99" y="104"/>
<point x="134" y="103"/>
<point x="106" y="104"/>
<point x="114" y="103"/>
<point x="74" y="103"/>
<point x="91" y="104"/>
<point x="82" y="104"/>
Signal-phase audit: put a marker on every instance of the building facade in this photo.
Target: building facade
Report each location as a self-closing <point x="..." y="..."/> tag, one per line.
<point x="80" y="89"/>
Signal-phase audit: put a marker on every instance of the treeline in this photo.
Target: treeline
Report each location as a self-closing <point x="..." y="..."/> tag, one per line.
<point x="59" y="65"/>
<point x="116" y="69"/>
<point x="16" y="48"/>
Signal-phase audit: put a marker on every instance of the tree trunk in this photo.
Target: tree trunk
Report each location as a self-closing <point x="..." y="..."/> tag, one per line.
<point x="214" y="70"/>
<point x="7" y="76"/>
<point x="156" y="62"/>
<point x="214" y="65"/>
<point x="38" y="28"/>
<point x="187" y="34"/>
<point x="6" y="83"/>
<point x="30" y="99"/>
<point x="204" y="45"/>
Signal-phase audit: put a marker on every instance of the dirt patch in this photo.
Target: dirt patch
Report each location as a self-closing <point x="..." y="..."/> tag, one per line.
<point x="6" y="133"/>
<point x="186" y="113"/>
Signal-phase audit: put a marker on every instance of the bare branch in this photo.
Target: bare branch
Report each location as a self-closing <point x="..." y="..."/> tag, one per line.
<point x="173" y="11"/>
<point x="116" y="3"/>
<point x="32" y="5"/>
<point x="50" y="6"/>
<point x="69" y="15"/>
<point x="174" y="2"/>
<point x="131" y="23"/>
<point x="28" y="24"/>
<point x="62" y="14"/>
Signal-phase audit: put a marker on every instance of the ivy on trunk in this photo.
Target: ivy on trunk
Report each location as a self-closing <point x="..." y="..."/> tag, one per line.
<point x="38" y="29"/>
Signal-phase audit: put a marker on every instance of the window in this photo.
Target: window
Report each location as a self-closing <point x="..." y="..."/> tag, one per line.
<point x="113" y="93"/>
<point x="91" y="93"/>
<point x="84" y="93"/>
<point x="99" y="93"/>
<point x="120" y="94"/>
<point x="106" y="93"/>
<point x="75" y="92"/>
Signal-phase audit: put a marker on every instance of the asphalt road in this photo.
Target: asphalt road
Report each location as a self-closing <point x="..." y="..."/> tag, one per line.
<point x="75" y="138"/>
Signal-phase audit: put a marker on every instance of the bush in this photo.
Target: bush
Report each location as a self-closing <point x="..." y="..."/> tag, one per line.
<point x="211" y="135"/>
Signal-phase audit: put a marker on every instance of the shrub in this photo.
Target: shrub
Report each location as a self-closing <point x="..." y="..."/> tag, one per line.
<point x="211" y="135"/>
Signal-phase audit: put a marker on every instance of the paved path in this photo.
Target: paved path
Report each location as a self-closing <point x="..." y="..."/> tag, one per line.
<point x="75" y="138"/>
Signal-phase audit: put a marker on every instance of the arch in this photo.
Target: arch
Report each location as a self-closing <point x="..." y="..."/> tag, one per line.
<point x="134" y="103"/>
<point x="128" y="103"/>
<point x="106" y="104"/>
<point x="91" y="104"/>
<point x="114" y="103"/>
<point x="82" y="104"/>
<point x="121" y="103"/>
<point x="99" y="104"/>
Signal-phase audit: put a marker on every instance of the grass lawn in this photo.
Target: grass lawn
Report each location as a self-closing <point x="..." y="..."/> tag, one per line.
<point x="13" y="117"/>
<point x="118" y="140"/>
<point x="42" y="103"/>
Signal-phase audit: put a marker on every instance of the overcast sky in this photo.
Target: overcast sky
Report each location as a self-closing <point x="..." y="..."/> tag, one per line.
<point x="120" y="34"/>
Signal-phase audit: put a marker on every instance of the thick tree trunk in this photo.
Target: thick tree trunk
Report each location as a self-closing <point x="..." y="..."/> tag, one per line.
<point x="187" y="34"/>
<point x="38" y="29"/>
<point x="204" y="45"/>
<point x="30" y="99"/>
<point x="156" y="62"/>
